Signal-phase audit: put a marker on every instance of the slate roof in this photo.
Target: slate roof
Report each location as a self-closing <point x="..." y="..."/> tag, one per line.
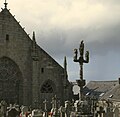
<point x="99" y="88"/>
<point x="113" y="94"/>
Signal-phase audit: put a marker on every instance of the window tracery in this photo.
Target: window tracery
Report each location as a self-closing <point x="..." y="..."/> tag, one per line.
<point x="8" y="69"/>
<point x="47" y="87"/>
<point x="9" y="79"/>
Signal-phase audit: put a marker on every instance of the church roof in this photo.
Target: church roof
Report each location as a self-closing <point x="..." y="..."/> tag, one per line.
<point x="7" y="17"/>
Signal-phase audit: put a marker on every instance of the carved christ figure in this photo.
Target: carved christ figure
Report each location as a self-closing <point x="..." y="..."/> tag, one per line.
<point x="75" y="54"/>
<point x="81" y="48"/>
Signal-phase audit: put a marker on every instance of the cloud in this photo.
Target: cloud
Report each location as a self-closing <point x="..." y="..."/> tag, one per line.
<point x="65" y="14"/>
<point x="60" y="25"/>
<point x="101" y="41"/>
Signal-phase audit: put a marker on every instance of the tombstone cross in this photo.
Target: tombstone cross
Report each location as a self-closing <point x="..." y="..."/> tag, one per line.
<point x="101" y="111"/>
<point x="45" y="114"/>
<point x="54" y="102"/>
<point x="45" y="103"/>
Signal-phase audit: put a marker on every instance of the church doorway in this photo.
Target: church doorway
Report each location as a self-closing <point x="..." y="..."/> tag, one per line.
<point x="10" y="81"/>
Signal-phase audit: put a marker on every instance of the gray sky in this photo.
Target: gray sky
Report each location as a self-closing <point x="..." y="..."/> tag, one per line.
<point x="60" y="25"/>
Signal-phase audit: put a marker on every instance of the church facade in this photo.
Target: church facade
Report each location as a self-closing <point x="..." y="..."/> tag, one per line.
<point x="28" y="75"/>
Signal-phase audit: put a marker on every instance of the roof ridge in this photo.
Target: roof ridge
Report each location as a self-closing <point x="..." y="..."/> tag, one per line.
<point x="103" y="80"/>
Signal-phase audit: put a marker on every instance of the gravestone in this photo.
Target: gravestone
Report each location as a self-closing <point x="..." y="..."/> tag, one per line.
<point x="116" y="112"/>
<point x="76" y="105"/>
<point x="3" y="109"/>
<point x="13" y="113"/>
<point x="61" y="111"/>
<point x="24" y="111"/>
<point x="54" y="109"/>
<point x="72" y="106"/>
<point x="67" y="109"/>
<point x="45" y="113"/>
<point x="109" y="112"/>
<point x="37" y="113"/>
<point x="58" y="104"/>
<point x="101" y="112"/>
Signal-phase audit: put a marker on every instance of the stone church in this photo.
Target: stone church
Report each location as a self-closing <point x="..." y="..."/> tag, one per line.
<point x="28" y="75"/>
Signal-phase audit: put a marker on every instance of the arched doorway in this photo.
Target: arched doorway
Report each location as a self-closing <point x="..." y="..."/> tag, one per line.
<point x="10" y="81"/>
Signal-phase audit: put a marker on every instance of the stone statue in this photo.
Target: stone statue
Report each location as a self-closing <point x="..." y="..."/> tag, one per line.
<point x="75" y="54"/>
<point x="81" y="59"/>
<point x="81" y="48"/>
<point x="87" y="56"/>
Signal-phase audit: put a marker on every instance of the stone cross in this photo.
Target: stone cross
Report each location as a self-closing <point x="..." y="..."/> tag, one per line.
<point x="72" y="105"/>
<point x="116" y="112"/>
<point x="45" y="114"/>
<point x="101" y="111"/>
<point x="54" y="109"/>
<point x="81" y="60"/>
<point x="45" y="104"/>
<point x="58" y="104"/>
<point x="62" y="111"/>
<point x="54" y="102"/>
<point x="13" y="113"/>
<point x="67" y="109"/>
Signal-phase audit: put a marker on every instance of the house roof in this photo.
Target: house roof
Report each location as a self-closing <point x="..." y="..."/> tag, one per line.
<point x="113" y="94"/>
<point x="99" y="88"/>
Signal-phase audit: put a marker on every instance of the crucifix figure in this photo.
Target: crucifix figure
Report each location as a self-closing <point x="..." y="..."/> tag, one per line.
<point x="81" y="60"/>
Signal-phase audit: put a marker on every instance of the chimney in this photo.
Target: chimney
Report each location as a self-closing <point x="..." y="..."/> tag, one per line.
<point x="119" y="80"/>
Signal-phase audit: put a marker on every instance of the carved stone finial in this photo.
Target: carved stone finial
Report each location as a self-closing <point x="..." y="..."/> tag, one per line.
<point x="33" y="36"/>
<point x="65" y="63"/>
<point x="5" y="4"/>
<point x="34" y="48"/>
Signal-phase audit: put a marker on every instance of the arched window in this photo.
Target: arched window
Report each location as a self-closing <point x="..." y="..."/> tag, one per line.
<point x="47" y="87"/>
<point x="8" y="69"/>
<point x="10" y="81"/>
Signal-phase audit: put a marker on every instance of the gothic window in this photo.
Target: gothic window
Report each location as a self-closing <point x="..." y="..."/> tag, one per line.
<point x="9" y="77"/>
<point x="8" y="69"/>
<point x="47" y="87"/>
